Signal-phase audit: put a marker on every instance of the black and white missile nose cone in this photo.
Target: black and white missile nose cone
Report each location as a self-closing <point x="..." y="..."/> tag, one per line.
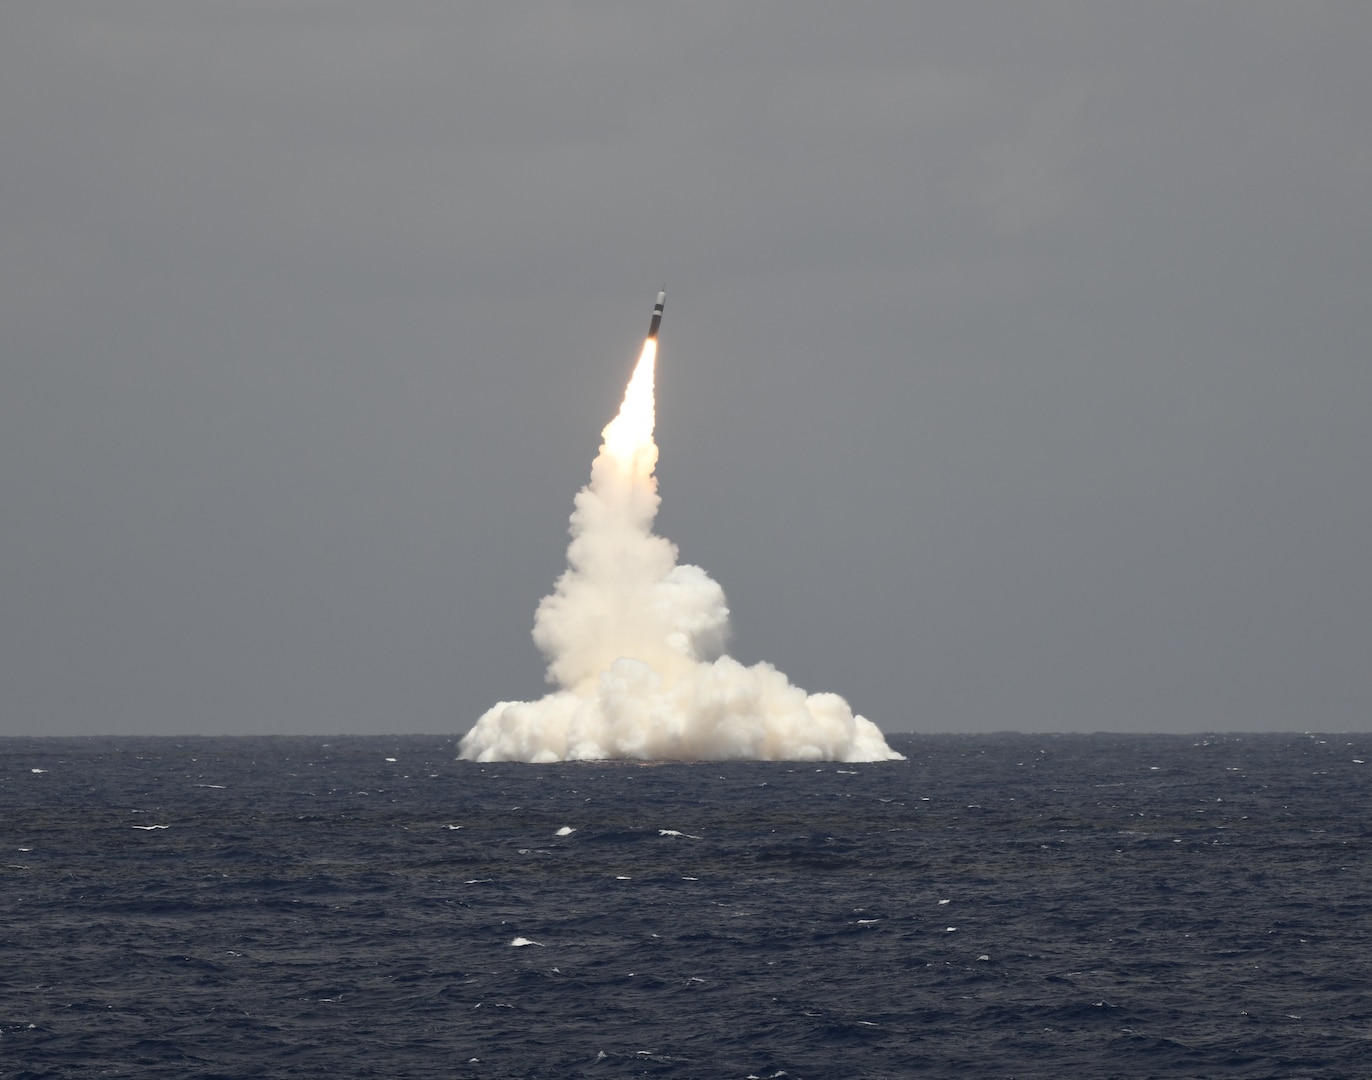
<point x="657" y="312"/>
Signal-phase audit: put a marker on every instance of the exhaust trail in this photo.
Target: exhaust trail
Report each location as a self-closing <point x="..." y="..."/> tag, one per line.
<point x="635" y="641"/>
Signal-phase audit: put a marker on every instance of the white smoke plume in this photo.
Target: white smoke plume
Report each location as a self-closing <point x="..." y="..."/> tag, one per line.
<point x="634" y="642"/>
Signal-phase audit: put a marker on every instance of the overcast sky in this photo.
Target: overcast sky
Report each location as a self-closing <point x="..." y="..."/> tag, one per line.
<point x="1016" y="371"/>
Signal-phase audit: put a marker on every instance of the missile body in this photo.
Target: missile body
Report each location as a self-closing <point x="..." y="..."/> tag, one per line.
<point x="657" y="313"/>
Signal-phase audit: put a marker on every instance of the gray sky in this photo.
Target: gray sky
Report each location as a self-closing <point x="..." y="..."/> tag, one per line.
<point x="1016" y="371"/>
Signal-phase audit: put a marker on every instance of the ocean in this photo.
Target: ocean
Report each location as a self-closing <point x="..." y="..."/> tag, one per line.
<point x="994" y="906"/>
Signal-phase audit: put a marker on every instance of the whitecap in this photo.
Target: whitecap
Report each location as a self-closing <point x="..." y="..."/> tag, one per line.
<point x="566" y="830"/>
<point x="149" y="828"/>
<point x="519" y="942"/>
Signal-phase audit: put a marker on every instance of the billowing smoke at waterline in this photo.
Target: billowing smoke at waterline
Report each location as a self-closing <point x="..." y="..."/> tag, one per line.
<point x="635" y="642"/>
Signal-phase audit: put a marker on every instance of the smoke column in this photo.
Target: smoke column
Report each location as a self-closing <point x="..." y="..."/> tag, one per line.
<point x="635" y="643"/>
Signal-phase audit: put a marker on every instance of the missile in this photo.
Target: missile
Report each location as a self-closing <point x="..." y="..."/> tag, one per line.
<point x="657" y="313"/>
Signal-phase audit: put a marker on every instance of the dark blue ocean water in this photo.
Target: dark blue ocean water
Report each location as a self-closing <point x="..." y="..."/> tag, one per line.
<point x="996" y="906"/>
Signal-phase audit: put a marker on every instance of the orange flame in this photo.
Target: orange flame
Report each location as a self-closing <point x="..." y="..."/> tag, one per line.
<point x="629" y="436"/>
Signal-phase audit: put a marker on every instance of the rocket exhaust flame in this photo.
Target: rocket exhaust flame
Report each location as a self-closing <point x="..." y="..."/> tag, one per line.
<point x="635" y="641"/>
<point x="629" y="436"/>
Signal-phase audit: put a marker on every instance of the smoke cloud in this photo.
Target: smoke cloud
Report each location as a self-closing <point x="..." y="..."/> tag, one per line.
<point x="635" y="643"/>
